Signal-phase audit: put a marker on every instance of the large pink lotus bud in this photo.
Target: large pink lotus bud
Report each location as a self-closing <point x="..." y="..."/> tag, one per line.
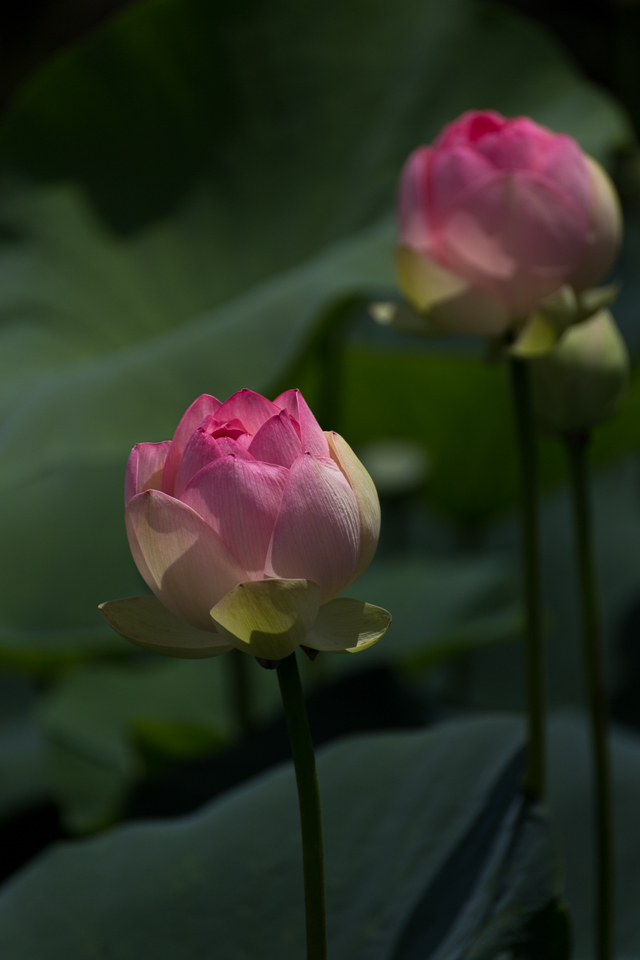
<point x="245" y="526"/>
<point x="498" y="215"/>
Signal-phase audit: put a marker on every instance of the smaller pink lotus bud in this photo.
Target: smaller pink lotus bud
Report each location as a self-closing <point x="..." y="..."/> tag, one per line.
<point x="245" y="526"/>
<point x="506" y="211"/>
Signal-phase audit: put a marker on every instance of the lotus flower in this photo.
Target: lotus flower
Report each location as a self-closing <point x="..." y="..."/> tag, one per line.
<point x="245" y="527"/>
<point x="497" y="216"/>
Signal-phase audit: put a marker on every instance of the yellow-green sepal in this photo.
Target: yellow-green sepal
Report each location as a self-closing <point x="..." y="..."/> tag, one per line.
<point x="543" y="329"/>
<point x="145" y="622"/>
<point x="347" y="626"/>
<point x="268" y="618"/>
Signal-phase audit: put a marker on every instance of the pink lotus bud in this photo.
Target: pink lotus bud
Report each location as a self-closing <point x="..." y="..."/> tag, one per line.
<point x="245" y="526"/>
<point x="507" y="211"/>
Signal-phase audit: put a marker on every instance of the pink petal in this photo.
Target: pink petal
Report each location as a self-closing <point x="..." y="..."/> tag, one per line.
<point x="520" y="145"/>
<point x="144" y="468"/>
<point x="184" y="562"/>
<point x="516" y="237"/>
<point x="276" y="441"/>
<point x="250" y="408"/>
<point x="236" y="448"/>
<point x="366" y="497"/>
<point x="453" y="173"/>
<point x="605" y="232"/>
<point x="565" y="165"/>
<point x="413" y="225"/>
<point x="317" y="533"/>
<point x="199" y="409"/>
<point x="201" y="449"/>
<point x="311" y="435"/>
<point x="470" y="127"/>
<point x="239" y="499"/>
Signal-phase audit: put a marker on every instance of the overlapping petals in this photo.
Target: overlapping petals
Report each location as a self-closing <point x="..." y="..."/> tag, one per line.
<point x="511" y="209"/>
<point x="248" y="491"/>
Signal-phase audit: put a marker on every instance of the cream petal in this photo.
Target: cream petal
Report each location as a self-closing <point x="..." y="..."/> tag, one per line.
<point x="366" y="497"/>
<point x="447" y="302"/>
<point x="347" y="626"/>
<point x="147" y="623"/>
<point x="606" y="230"/>
<point x="268" y="618"/>
<point x="181" y="559"/>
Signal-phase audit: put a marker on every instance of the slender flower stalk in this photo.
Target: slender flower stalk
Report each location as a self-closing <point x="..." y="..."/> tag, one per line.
<point x="309" y="801"/>
<point x="239" y="664"/>
<point x="534" y="628"/>
<point x="577" y="444"/>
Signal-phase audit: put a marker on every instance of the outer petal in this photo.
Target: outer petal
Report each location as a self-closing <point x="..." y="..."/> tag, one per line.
<point x="182" y="560"/>
<point x="606" y="229"/>
<point x="268" y="618"/>
<point x="250" y="408"/>
<point x="452" y="174"/>
<point x="317" y="533"/>
<point x="566" y="165"/>
<point x="347" y="626"/>
<point x="145" y="622"/>
<point x="413" y="225"/>
<point x="311" y="435"/>
<point x="447" y="302"/>
<point x="518" y="238"/>
<point x="239" y="499"/>
<point x="277" y="441"/>
<point x="144" y="468"/>
<point x="202" y="407"/>
<point x="366" y="497"/>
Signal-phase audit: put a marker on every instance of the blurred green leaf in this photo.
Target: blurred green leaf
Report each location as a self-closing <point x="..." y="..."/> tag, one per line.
<point x="23" y="776"/>
<point x="251" y="153"/>
<point x="106" y="727"/>
<point x="439" y="607"/>
<point x="403" y="813"/>
<point x="413" y="871"/>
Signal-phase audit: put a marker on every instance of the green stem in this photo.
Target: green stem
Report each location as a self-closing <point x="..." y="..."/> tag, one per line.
<point x="577" y="448"/>
<point x="309" y="800"/>
<point x="240" y="663"/>
<point x="534" y="627"/>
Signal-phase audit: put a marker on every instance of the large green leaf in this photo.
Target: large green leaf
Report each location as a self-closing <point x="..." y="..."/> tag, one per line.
<point x="268" y="141"/>
<point x="425" y="837"/>
<point x="106" y="727"/>
<point x="416" y="830"/>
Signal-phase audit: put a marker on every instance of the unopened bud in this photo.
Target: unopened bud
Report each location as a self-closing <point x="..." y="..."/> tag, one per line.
<point x="581" y="382"/>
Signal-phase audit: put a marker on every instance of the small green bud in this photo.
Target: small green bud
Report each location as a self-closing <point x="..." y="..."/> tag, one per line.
<point x="581" y="382"/>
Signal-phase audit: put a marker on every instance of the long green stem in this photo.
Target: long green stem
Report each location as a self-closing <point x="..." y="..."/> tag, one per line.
<point x="530" y="533"/>
<point x="239" y="664"/>
<point x="577" y="447"/>
<point x="309" y="800"/>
